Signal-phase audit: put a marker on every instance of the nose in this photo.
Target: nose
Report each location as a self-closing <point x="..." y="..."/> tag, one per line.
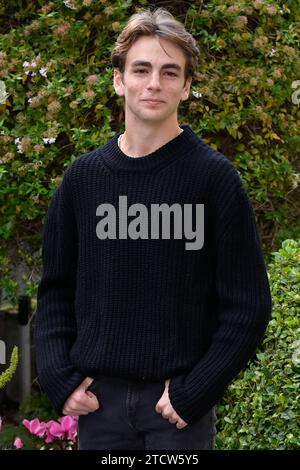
<point x="154" y="81"/>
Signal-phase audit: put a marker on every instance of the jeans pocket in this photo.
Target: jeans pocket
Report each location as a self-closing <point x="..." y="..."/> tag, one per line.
<point x="92" y="386"/>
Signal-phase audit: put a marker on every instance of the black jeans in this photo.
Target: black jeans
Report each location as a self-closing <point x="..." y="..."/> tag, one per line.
<point x="127" y="420"/>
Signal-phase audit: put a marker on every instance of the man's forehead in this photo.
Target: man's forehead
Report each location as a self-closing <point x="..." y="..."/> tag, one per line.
<point x="171" y="52"/>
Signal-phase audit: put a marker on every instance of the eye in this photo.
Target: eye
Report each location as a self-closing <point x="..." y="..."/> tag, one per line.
<point x="170" y="74"/>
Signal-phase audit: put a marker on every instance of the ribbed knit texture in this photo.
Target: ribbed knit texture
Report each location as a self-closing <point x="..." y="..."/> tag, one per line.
<point x="150" y="309"/>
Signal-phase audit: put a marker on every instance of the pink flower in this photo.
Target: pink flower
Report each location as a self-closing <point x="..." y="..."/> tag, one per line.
<point x="91" y="79"/>
<point x="55" y="430"/>
<point x="64" y="428"/>
<point x="69" y="425"/>
<point x="48" y="438"/>
<point x="35" y="427"/>
<point x="18" y="443"/>
<point x="0" y="424"/>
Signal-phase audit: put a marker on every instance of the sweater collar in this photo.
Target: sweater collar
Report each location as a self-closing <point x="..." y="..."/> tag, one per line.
<point x="181" y="144"/>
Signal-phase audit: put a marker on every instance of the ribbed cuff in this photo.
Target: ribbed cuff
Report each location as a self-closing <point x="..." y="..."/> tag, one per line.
<point x="185" y="406"/>
<point x="59" y="387"/>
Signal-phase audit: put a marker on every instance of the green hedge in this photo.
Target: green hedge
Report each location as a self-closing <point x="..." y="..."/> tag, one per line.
<point x="57" y="101"/>
<point x="261" y="409"/>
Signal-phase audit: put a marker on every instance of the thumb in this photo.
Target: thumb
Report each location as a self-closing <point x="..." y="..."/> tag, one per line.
<point x="86" y="383"/>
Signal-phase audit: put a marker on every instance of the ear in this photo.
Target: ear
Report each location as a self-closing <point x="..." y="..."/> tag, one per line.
<point x="118" y="82"/>
<point x="186" y="89"/>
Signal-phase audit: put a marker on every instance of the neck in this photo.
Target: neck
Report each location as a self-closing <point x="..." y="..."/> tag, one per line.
<point x="145" y="140"/>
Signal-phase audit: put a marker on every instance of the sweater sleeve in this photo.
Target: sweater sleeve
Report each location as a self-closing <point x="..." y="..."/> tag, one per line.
<point x="55" y="324"/>
<point x="243" y="301"/>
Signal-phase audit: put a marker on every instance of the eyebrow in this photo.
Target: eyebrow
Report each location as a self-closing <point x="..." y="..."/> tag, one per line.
<point x="148" y="64"/>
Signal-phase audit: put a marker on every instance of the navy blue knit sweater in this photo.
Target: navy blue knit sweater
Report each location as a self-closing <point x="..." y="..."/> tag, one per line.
<point x="146" y="303"/>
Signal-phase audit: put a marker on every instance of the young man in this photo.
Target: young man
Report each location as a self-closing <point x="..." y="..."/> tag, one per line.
<point x="143" y="319"/>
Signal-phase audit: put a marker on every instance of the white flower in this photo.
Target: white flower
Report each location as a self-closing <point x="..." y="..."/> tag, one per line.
<point x="70" y="4"/>
<point x="197" y="94"/>
<point x="30" y="65"/>
<point x="18" y="143"/>
<point x="43" y="71"/>
<point x="28" y="72"/>
<point x="30" y="100"/>
<point x="49" y="140"/>
<point x="3" y="94"/>
<point x="272" y="52"/>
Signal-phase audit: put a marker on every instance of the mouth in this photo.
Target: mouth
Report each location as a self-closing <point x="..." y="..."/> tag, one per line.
<point x="153" y="101"/>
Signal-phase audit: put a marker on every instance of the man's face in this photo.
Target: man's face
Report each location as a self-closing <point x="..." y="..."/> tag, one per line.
<point x="152" y="73"/>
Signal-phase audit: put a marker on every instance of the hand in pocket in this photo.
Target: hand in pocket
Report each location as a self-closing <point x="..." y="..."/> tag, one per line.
<point x="82" y="401"/>
<point x="164" y="407"/>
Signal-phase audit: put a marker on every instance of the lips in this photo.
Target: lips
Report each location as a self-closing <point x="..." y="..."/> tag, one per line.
<point x="153" y="101"/>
